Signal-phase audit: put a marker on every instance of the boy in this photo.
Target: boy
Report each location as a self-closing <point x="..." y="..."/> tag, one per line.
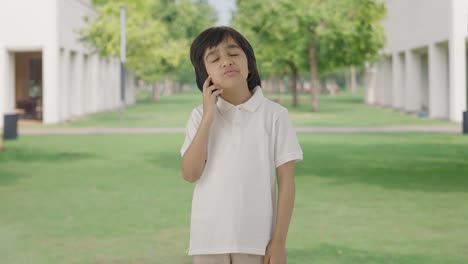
<point x="233" y="144"/>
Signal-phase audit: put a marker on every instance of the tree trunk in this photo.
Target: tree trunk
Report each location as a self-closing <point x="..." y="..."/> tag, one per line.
<point x="348" y="81"/>
<point x="353" y="80"/>
<point x="156" y="91"/>
<point x="175" y="87"/>
<point x="178" y="86"/>
<point x="293" y="83"/>
<point x="270" y="88"/>
<point x="168" y="87"/>
<point x="314" y="89"/>
<point x="275" y="84"/>
<point x="281" y="91"/>
<point x="267" y="87"/>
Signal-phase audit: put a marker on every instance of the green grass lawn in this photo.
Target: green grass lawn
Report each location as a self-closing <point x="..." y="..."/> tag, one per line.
<point x="360" y="198"/>
<point x="173" y="111"/>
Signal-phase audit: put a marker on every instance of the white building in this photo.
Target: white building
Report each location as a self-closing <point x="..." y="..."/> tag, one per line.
<point x="45" y="72"/>
<point x="423" y="67"/>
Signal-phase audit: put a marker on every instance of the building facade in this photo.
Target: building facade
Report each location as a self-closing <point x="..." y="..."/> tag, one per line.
<point x="46" y="73"/>
<point x="423" y="67"/>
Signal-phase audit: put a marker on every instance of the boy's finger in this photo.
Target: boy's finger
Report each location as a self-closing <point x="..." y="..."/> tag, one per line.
<point x="217" y="92"/>
<point x="206" y="84"/>
<point x="214" y="94"/>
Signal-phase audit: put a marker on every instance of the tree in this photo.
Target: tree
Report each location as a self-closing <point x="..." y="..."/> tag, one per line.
<point x="331" y="34"/>
<point x="147" y="38"/>
<point x="159" y="33"/>
<point x="184" y="19"/>
<point x="341" y="33"/>
<point x="270" y="30"/>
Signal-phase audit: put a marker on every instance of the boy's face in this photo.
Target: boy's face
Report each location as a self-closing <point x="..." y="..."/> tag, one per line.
<point x="227" y="64"/>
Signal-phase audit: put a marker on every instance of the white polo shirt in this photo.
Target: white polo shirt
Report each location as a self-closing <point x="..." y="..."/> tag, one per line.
<point x="234" y="200"/>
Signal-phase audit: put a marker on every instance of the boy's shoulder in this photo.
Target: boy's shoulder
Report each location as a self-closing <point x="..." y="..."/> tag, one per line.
<point x="273" y="107"/>
<point x="196" y="114"/>
<point x="197" y="110"/>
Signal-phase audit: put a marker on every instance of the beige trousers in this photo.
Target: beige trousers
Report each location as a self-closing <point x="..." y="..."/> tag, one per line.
<point x="233" y="258"/>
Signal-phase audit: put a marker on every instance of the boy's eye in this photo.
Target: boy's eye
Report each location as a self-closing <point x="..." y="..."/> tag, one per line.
<point x="214" y="60"/>
<point x="234" y="55"/>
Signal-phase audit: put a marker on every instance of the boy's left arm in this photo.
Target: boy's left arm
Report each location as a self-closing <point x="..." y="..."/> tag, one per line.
<point x="276" y="249"/>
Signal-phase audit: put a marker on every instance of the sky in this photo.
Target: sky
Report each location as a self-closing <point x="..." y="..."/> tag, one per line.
<point x="224" y="8"/>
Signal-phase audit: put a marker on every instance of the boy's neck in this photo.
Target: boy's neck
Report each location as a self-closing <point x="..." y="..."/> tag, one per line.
<point x="236" y="96"/>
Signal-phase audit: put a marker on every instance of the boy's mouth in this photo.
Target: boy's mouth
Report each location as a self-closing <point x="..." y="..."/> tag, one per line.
<point x="230" y="72"/>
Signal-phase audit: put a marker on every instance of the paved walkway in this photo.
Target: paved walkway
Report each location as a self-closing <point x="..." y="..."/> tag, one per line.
<point x="143" y="130"/>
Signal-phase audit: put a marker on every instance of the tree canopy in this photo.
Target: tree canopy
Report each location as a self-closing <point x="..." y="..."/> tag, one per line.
<point x="159" y="33"/>
<point x="314" y="36"/>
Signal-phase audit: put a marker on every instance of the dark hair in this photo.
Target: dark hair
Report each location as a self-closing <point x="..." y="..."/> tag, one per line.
<point x="210" y="38"/>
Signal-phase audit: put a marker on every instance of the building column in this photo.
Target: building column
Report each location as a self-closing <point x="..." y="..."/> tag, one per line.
<point x="3" y="82"/>
<point x="413" y="86"/>
<point x="64" y="85"/>
<point x="7" y="83"/>
<point x="398" y="80"/>
<point x="457" y="60"/>
<point x="72" y="85"/>
<point x="85" y="85"/>
<point x="379" y="89"/>
<point x="438" y="82"/>
<point x="424" y="81"/>
<point x="94" y="82"/>
<point x="51" y="84"/>
<point x="388" y="82"/>
<point x="78" y="85"/>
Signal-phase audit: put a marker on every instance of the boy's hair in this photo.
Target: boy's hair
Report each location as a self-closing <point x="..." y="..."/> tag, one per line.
<point x="210" y="38"/>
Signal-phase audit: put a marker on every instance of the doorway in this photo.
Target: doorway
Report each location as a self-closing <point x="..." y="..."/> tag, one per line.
<point x="28" y="85"/>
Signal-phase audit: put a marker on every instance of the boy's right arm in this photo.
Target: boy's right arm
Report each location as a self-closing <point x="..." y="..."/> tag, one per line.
<point x="194" y="159"/>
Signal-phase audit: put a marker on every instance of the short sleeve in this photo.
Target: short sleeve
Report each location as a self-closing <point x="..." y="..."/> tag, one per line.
<point x="287" y="146"/>
<point x="191" y="129"/>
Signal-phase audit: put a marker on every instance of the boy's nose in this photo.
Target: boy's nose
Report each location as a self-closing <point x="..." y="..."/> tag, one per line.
<point x="227" y="62"/>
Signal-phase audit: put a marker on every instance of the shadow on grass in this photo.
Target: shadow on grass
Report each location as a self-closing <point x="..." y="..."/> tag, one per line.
<point x="326" y="253"/>
<point x="8" y="176"/>
<point x="14" y="156"/>
<point x="422" y="167"/>
<point x="340" y="104"/>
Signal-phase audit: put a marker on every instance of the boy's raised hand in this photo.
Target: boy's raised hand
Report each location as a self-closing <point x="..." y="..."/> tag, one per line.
<point x="209" y="100"/>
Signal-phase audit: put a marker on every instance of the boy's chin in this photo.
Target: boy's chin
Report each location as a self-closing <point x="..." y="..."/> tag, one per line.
<point x="233" y="84"/>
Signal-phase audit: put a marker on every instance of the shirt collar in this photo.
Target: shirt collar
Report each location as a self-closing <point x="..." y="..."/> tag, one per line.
<point x="250" y="105"/>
